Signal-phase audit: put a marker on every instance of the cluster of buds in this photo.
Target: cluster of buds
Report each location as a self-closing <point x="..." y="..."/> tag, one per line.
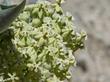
<point x="42" y="45"/>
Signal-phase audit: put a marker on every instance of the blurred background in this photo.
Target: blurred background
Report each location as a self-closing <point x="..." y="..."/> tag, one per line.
<point x="93" y="63"/>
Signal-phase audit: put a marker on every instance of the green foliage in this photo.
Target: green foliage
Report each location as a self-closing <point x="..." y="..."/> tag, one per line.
<point x="39" y="45"/>
<point x="8" y="13"/>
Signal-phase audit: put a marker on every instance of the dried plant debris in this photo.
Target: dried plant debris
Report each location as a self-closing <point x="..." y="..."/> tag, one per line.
<point x="39" y="45"/>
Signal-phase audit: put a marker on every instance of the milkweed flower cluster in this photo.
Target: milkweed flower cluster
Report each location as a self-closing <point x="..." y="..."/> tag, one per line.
<point x="39" y="45"/>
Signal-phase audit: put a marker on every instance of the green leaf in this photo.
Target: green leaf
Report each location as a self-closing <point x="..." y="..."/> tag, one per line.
<point x="8" y="14"/>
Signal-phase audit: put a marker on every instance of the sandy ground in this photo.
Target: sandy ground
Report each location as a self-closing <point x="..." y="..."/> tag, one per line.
<point x="94" y="61"/>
